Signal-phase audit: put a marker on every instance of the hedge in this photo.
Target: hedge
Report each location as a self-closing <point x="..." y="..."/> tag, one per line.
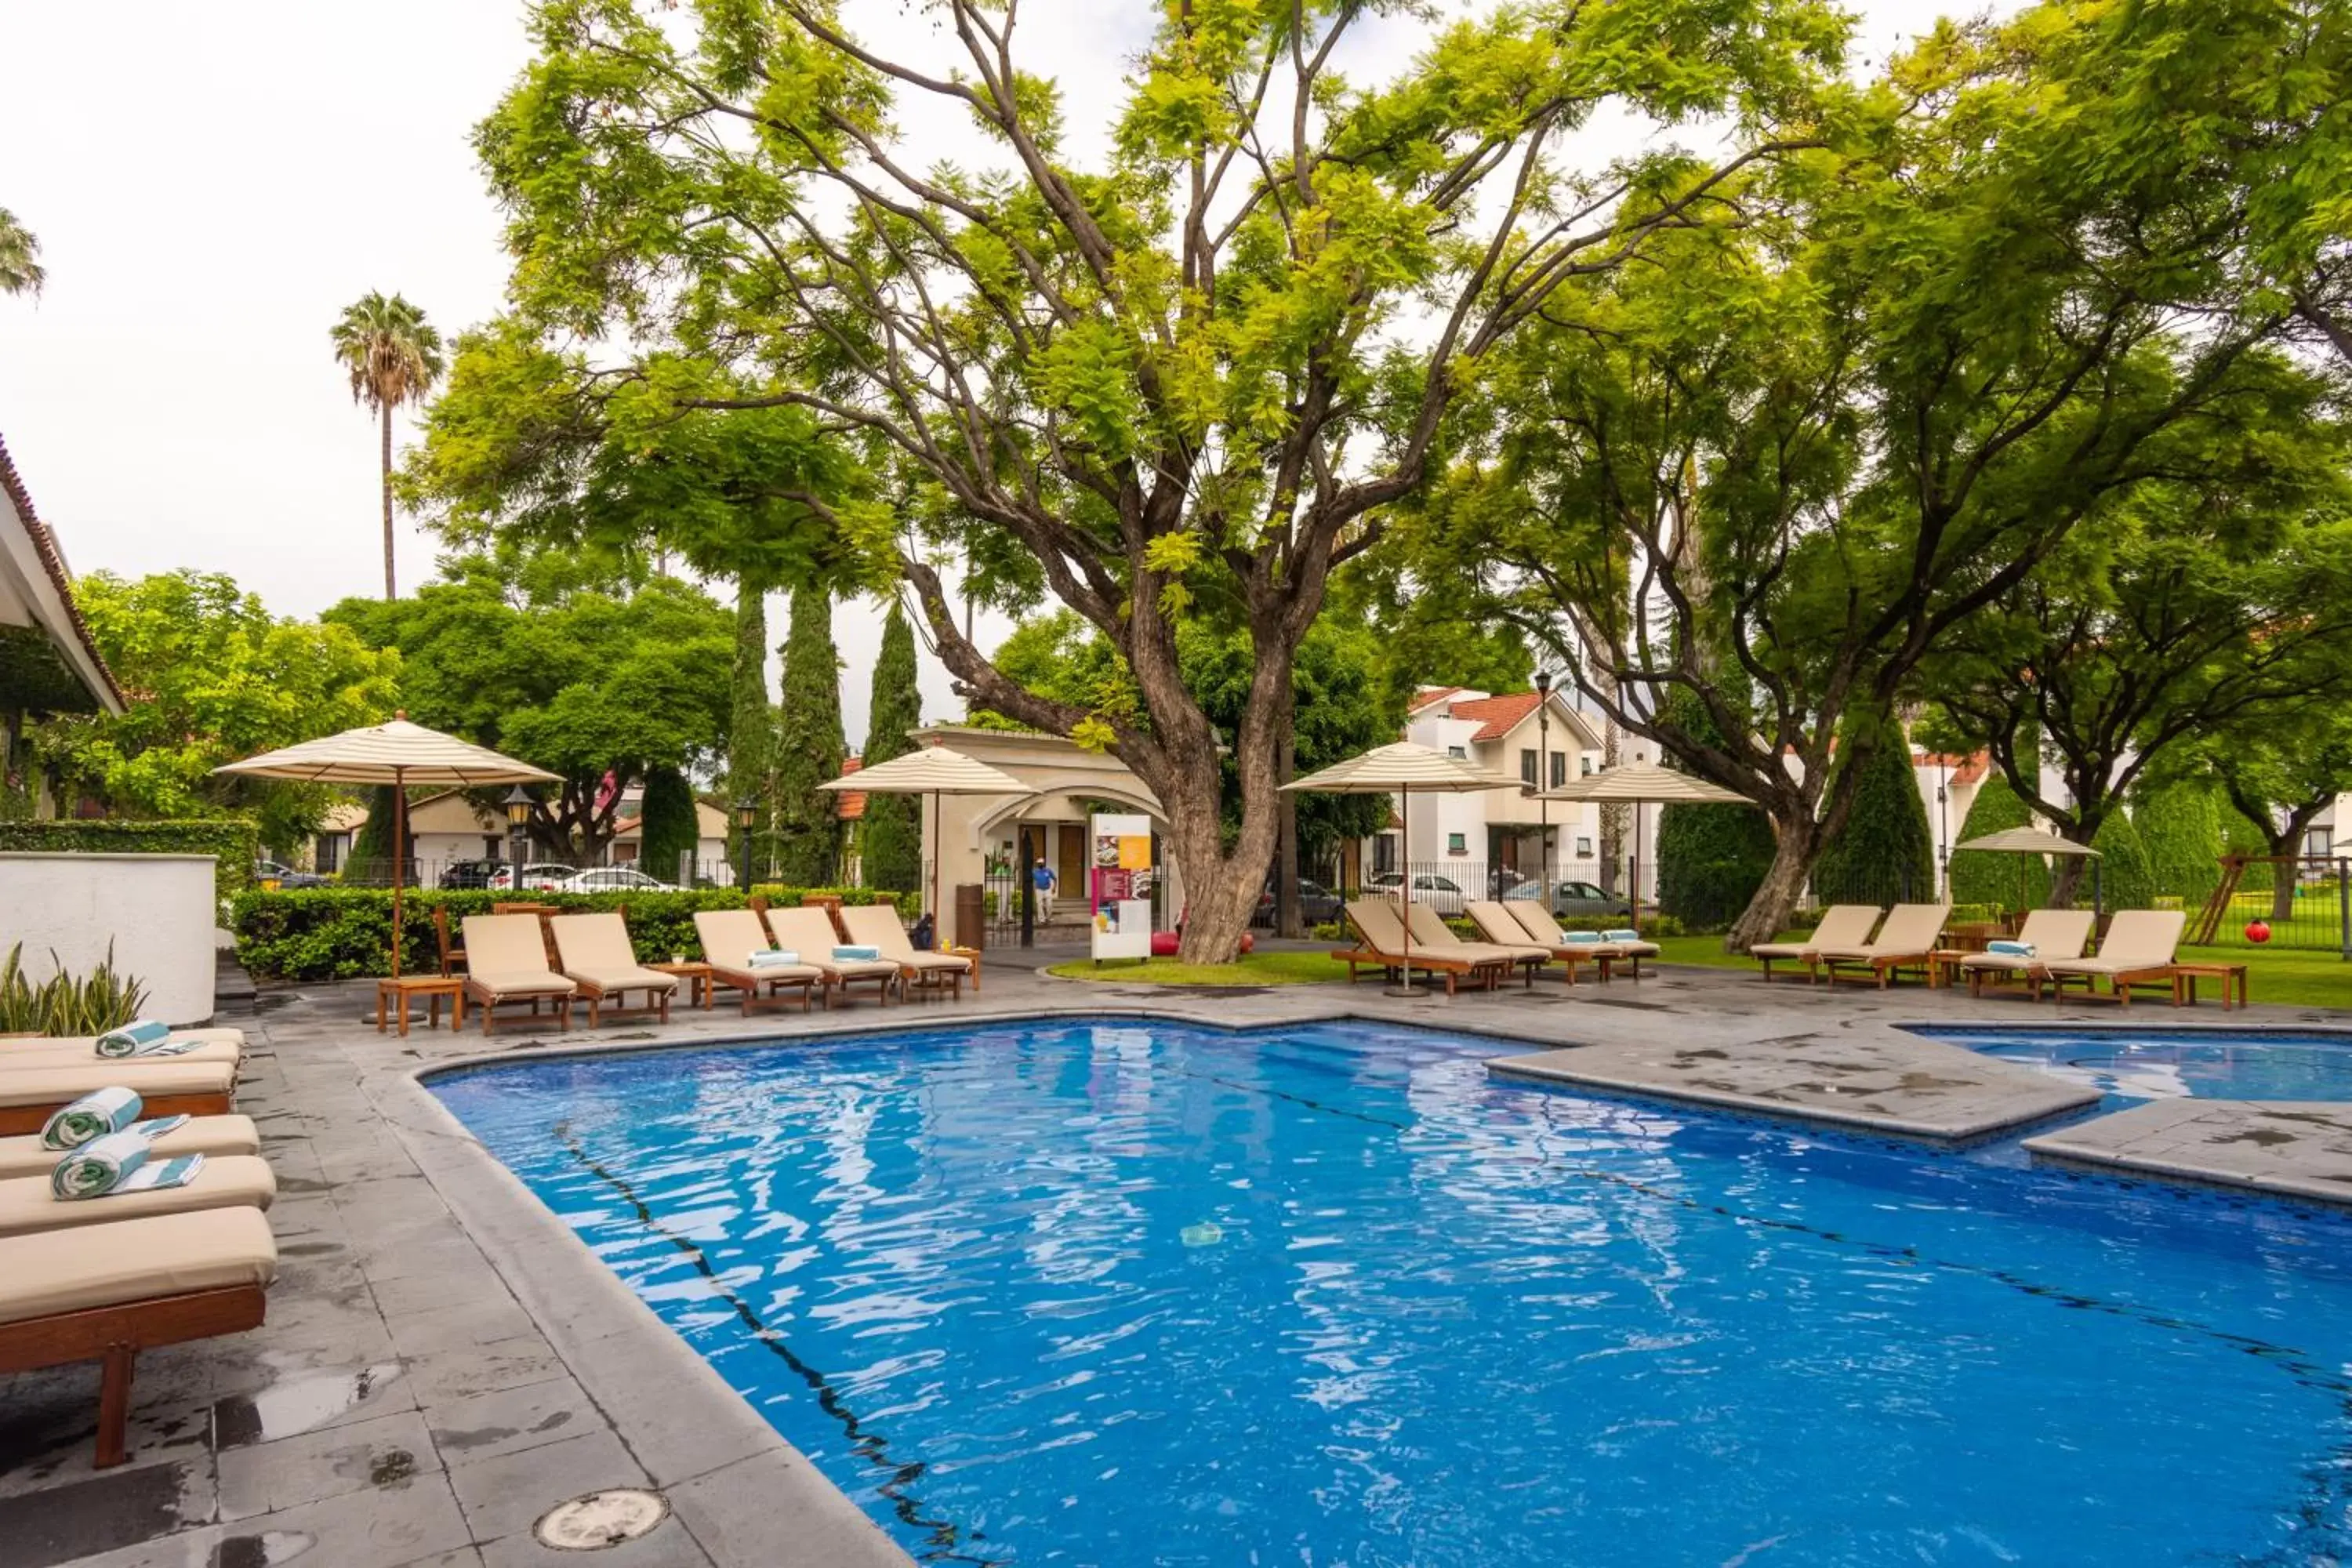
<point x="343" y="933"/>
<point x="235" y="844"/>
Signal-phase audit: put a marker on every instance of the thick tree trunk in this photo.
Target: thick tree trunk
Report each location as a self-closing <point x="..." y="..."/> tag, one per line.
<point x="1767" y="914"/>
<point x="2283" y="876"/>
<point x="1221" y="889"/>
<point x="390" y="590"/>
<point x="2066" y="880"/>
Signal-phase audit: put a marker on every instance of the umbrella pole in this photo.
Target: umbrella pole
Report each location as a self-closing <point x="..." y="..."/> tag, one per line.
<point x="939" y="916"/>
<point x="399" y="836"/>
<point x="1404" y="986"/>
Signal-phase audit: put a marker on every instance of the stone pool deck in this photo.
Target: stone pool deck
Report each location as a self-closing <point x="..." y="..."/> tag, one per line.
<point x="444" y="1362"/>
<point x="2299" y="1149"/>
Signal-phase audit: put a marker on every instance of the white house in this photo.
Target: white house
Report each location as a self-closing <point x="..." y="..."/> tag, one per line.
<point x="1483" y="838"/>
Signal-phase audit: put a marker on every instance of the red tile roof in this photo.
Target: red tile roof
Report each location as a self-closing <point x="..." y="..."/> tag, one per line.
<point x="1429" y="696"/>
<point x="1498" y="715"/>
<point x="1966" y="770"/>
<point x="850" y="804"/>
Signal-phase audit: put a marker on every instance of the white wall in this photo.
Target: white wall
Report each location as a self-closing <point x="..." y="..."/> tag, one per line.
<point x="158" y="911"/>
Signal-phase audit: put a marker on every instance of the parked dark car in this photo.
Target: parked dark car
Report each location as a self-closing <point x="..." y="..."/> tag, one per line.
<point x="1317" y="905"/>
<point x="286" y="875"/>
<point x="471" y="873"/>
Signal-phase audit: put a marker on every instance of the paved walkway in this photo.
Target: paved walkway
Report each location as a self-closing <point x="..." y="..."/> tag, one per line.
<point x="444" y="1362"/>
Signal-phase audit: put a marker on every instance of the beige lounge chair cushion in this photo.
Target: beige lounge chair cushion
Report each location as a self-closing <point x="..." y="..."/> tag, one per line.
<point x="153" y="1080"/>
<point x="520" y="984"/>
<point x="1502" y="929"/>
<point x="1540" y="925"/>
<point x="2137" y="939"/>
<point x="744" y="979"/>
<point x="26" y="1156"/>
<point x="132" y="1260"/>
<point x="810" y="933"/>
<point x="27" y="1204"/>
<point x="506" y="955"/>
<point x="1431" y="932"/>
<point x="876" y="925"/>
<point x="2055" y="935"/>
<point x="596" y="948"/>
<point x="1910" y="931"/>
<point x="1843" y="926"/>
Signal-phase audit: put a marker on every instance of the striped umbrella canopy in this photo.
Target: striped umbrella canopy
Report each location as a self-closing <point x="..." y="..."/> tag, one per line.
<point x="934" y="770"/>
<point x="2026" y="841"/>
<point x="1398" y="768"/>
<point x="1645" y="784"/>
<point x="398" y="753"/>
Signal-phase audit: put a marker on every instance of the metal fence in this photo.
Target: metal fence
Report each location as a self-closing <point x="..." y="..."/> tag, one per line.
<point x="539" y="876"/>
<point x="2292" y="903"/>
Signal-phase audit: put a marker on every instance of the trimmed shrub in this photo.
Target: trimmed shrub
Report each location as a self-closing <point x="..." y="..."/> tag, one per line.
<point x="2182" y="831"/>
<point x="343" y="933"/>
<point x="1711" y="860"/>
<point x="1986" y="877"/>
<point x="235" y="843"/>
<point x="891" y="837"/>
<point x="2124" y="879"/>
<point x="1886" y="854"/>
<point x="671" y="826"/>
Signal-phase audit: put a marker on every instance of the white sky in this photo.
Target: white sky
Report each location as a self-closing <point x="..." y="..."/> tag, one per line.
<point x="211" y="185"/>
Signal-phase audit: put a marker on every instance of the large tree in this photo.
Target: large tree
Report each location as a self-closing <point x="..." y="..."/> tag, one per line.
<point x="809" y="745"/>
<point x="392" y="355"/>
<point x="1190" y="371"/>
<point x="214" y="677"/>
<point x="2282" y="771"/>
<point x="593" y="679"/>
<point x="891" y="833"/>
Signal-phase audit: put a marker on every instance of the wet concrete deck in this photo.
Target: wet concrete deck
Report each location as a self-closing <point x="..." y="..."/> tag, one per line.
<point x="2299" y="1149"/>
<point x="443" y="1361"/>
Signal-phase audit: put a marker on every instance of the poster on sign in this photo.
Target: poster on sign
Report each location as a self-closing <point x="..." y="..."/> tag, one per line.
<point x="1120" y="887"/>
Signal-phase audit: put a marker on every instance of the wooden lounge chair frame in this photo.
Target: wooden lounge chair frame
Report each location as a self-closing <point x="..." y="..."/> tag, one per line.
<point x="20" y="1119"/>
<point x="1388" y="965"/>
<point x="594" y="993"/>
<point x="113" y="1336"/>
<point x="453" y="953"/>
<point x="482" y="997"/>
<point x="1567" y="957"/>
<point x="837" y="982"/>
<point x="2120" y="982"/>
<point x="1884" y="967"/>
<point x="764" y="990"/>
<point x="922" y="977"/>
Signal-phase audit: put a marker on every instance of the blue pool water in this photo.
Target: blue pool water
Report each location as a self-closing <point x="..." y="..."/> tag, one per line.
<point x="2133" y="1065"/>
<point x="1117" y="1293"/>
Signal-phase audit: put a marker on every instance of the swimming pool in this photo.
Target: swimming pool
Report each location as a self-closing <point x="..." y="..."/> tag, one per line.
<point x="1115" y="1291"/>
<point x="2130" y="1064"/>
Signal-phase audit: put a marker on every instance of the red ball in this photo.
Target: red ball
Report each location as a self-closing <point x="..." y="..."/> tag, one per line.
<point x="2258" y="931"/>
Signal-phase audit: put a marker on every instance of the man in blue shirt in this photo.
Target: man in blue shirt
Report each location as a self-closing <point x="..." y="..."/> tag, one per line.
<point x="1041" y="877"/>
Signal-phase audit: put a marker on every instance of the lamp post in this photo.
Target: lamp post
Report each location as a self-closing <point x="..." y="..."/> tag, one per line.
<point x="518" y="805"/>
<point x="747" y="815"/>
<point x="1543" y="780"/>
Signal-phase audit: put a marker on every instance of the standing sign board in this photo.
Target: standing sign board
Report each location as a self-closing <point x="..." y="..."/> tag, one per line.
<point x="1119" y="876"/>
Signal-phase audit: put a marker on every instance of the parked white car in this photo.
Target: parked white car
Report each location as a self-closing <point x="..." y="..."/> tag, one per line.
<point x="1441" y="893"/>
<point x="613" y="879"/>
<point x="539" y="876"/>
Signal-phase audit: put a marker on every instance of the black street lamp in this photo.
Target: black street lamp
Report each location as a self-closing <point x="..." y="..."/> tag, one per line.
<point x="518" y="805"/>
<point x="747" y="816"/>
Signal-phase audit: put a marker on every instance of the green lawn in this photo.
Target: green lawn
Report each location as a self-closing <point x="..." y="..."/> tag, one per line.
<point x="1254" y="969"/>
<point x="2293" y="977"/>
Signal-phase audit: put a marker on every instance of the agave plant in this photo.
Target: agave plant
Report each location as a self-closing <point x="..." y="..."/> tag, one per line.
<point x="64" y="1003"/>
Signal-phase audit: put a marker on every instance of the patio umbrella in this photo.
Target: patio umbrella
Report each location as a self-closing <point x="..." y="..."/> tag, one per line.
<point x="2030" y="841"/>
<point x="933" y="771"/>
<point x="398" y="753"/>
<point x="1398" y="768"/>
<point x="1645" y="784"/>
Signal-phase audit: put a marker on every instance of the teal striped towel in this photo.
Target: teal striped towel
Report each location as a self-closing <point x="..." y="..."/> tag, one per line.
<point x="145" y="1037"/>
<point x="151" y="1131"/>
<point x="91" y="1117"/>
<point x="774" y="958"/>
<point x="1623" y="933"/>
<point x="853" y="952"/>
<point x="2010" y="949"/>
<point x="98" y="1167"/>
<point x="1584" y="938"/>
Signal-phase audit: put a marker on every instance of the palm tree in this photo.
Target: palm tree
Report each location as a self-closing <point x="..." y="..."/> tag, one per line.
<point x="19" y="272"/>
<point x="394" y="357"/>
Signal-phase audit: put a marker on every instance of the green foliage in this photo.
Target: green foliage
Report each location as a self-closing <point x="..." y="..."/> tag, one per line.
<point x="232" y="843"/>
<point x="218" y="677"/>
<point x="809" y="744"/>
<point x="66" y="1004"/>
<point x="21" y="271"/>
<point x="891" y="837"/>
<point x="2180" y="827"/>
<point x="751" y="737"/>
<point x="1711" y="858"/>
<point x="671" y="825"/>
<point x="342" y="934"/>
<point x="1886" y="853"/>
<point x="372" y="844"/>
<point x="2125" y="878"/>
<point x="581" y="676"/>
<point x="1987" y="876"/>
<point x="2240" y="836"/>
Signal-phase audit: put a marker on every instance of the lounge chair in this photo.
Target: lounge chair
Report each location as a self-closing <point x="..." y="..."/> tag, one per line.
<point x="105" y="1292"/>
<point x="1904" y="943"/>
<point x="67" y="1050"/>
<point x="876" y="926"/>
<point x="29" y="1095"/>
<point x="232" y="1181"/>
<point x="810" y="933"/>
<point x="453" y="954"/>
<point x="2138" y="950"/>
<point x="594" y="953"/>
<point x="1383" y="947"/>
<point x="728" y="939"/>
<point x="1540" y="927"/>
<point x="505" y="960"/>
<point x="1841" y="926"/>
<point x="28" y="1156"/>
<point x="2052" y="934"/>
<point x="1501" y="928"/>
<point x="1432" y="935"/>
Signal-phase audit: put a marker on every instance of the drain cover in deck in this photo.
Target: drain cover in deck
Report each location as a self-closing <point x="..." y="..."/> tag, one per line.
<point x="599" y="1520"/>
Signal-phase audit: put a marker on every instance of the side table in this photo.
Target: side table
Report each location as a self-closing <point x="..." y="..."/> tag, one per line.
<point x="395" y="993"/>
<point x="697" y="976"/>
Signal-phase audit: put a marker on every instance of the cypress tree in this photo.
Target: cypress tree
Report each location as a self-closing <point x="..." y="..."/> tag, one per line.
<point x="892" y="851"/>
<point x="2126" y="880"/>
<point x="669" y="827"/>
<point x="1987" y="876"/>
<point x="2182" y="831"/>
<point x="809" y="745"/>
<point x="748" y="732"/>
<point x="1886" y="853"/>
<point x="1711" y="858"/>
<point x="371" y="845"/>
